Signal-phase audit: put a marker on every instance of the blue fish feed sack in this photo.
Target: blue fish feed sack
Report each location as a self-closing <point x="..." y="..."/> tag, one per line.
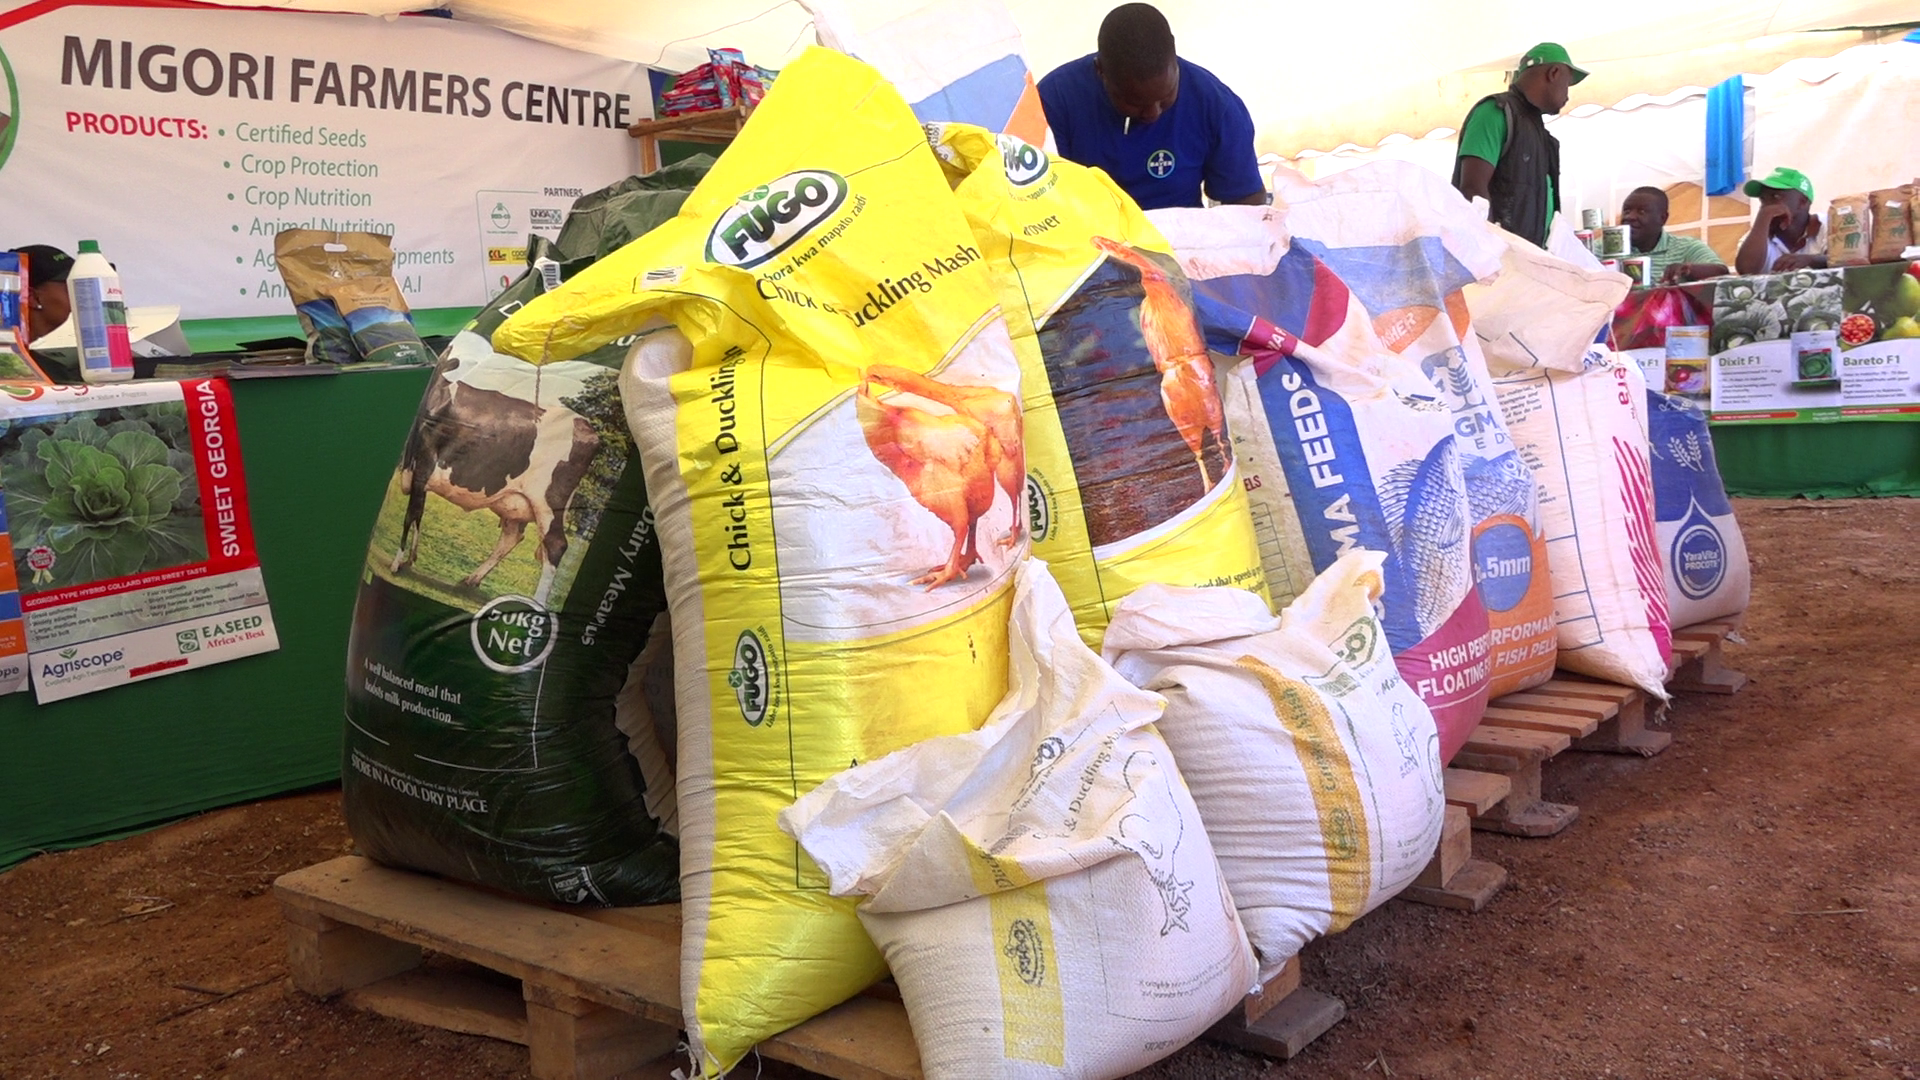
<point x="511" y="583"/>
<point x="1701" y="547"/>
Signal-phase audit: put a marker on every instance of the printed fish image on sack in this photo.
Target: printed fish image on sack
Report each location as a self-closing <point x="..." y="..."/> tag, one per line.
<point x="1356" y="450"/>
<point x="1408" y="246"/>
<point x="1131" y="476"/>
<point x="825" y="399"/>
<point x="511" y="582"/>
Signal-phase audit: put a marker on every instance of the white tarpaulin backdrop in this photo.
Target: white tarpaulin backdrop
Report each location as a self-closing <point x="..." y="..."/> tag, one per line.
<point x="1846" y="121"/>
<point x="1314" y="75"/>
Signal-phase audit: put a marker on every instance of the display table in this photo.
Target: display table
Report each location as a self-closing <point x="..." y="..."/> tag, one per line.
<point x="1828" y="415"/>
<point x="318" y="453"/>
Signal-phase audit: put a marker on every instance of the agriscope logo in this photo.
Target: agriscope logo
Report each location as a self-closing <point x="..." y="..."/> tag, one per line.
<point x="72" y="663"/>
<point x="769" y="219"/>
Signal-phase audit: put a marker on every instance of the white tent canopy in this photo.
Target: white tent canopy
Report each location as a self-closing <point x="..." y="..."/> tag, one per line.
<point x="1314" y="75"/>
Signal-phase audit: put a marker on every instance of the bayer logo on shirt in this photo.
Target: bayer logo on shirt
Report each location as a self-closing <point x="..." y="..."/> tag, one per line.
<point x="1160" y="164"/>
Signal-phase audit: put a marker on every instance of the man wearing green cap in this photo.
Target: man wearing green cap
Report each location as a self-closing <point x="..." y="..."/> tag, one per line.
<point x="1506" y="155"/>
<point x="1785" y="232"/>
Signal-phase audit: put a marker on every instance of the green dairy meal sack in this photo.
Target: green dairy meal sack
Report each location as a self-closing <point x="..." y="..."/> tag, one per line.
<point x="826" y="403"/>
<point x="1131" y="476"/>
<point x="510" y="585"/>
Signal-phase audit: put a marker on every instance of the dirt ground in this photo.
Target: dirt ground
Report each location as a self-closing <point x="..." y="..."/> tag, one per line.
<point x="1745" y="905"/>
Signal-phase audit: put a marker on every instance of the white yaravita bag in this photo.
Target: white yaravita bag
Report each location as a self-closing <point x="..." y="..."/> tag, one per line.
<point x="1042" y="888"/>
<point x="1316" y="767"/>
<point x="1586" y="437"/>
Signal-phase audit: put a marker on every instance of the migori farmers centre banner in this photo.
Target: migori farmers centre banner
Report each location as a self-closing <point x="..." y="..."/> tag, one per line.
<point x="183" y="138"/>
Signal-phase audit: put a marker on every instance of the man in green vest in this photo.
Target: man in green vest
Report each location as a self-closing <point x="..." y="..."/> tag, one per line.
<point x="1506" y="155"/>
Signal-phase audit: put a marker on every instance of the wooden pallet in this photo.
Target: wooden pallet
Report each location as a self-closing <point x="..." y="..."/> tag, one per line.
<point x="595" y="993"/>
<point x="1700" y="662"/>
<point x="1281" y="1018"/>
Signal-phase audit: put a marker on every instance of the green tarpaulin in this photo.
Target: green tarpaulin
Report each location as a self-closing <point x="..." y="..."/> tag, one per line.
<point x="318" y="451"/>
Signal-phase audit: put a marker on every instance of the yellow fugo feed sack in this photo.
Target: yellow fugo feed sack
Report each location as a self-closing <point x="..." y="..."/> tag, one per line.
<point x="828" y="413"/>
<point x="1131" y="475"/>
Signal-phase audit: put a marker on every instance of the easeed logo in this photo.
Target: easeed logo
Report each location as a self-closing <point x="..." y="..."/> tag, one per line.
<point x="771" y="218"/>
<point x="1025" y="162"/>
<point x="513" y="634"/>
<point x="189" y="640"/>
<point x="749" y="678"/>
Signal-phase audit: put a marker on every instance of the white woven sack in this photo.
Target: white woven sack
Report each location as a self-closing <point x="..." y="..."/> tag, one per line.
<point x="1586" y="437"/>
<point x="1316" y="767"/>
<point x="1542" y="311"/>
<point x="1042" y="888"/>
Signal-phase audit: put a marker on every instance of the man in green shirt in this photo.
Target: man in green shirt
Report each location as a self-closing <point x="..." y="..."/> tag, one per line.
<point x="1675" y="258"/>
<point x="1506" y="154"/>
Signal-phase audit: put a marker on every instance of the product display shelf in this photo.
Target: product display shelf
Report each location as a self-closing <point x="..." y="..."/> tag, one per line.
<point x="716" y="127"/>
<point x="596" y="992"/>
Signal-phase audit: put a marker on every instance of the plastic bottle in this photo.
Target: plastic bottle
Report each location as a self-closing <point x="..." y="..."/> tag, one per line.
<point x="99" y="317"/>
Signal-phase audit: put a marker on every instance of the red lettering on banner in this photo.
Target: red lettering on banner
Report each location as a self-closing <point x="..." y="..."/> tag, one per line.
<point x="216" y="456"/>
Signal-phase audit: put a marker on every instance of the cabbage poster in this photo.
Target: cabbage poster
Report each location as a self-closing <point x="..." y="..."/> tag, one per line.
<point x="129" y="538"/>
<point x="183" y="137"/>
<point x="1817" y="346"/>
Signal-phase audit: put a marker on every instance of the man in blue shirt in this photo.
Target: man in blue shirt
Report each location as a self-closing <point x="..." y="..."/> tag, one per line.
<point x="1160" y="126"/>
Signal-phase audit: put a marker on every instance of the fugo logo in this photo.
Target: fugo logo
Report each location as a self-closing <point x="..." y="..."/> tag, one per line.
<point x="749" y="678"/>
<point x="1024" y="161"/>
<point x="1026" y="951"/>
<point x="10" y="116"/>
<point x="1357" y="644"/>
<point x="1039" y="510"/>
<point x="771" y="218"/>
<point x="512" y="634"/>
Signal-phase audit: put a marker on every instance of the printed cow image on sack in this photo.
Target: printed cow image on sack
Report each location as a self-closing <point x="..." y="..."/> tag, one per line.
<point x="511" y="583"/>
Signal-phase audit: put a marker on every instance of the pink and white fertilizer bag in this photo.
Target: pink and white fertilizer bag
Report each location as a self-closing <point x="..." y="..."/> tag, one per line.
<point x="1315" y="766"/>
<point x="1586" y="437"/>
<point x="1042" y="888"/>
<point x="1408" y="245"/>
<point x="1705" y="556"/>
<point x="1345" y="450"/>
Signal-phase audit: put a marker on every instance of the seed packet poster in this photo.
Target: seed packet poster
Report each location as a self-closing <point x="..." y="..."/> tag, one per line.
<point x="127" y="534"/>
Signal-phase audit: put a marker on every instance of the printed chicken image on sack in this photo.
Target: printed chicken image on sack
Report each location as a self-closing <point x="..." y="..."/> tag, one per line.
<point x="1350" y="450"/>
<point x="1131" y="476"/>
<point x="825" y="400"/>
